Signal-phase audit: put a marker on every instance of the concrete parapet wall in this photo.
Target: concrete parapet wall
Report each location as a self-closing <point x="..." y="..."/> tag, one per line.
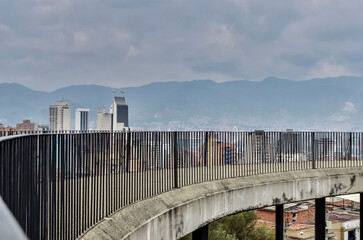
<point x="174" y="214"/>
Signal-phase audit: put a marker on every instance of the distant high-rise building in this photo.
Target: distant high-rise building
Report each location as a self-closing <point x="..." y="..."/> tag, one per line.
<point x="290" y="146"/>
<point x="257" y="147"/>
<point x="104" y="120"/>
<point x="60" y="116"/>
<point x="82" y="119"/>
<point x="290" y="142"/>
<point x="120" y="112"/>
<point x="324" y="148"/>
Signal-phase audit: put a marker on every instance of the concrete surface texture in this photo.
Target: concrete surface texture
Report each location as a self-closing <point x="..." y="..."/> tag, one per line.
<point x="176" y="213"/>
<point x="9" y="227"/>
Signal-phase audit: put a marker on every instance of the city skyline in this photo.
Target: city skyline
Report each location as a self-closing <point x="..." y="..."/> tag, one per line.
<point x="272" y="104"/>
<point x="245" y="119"/>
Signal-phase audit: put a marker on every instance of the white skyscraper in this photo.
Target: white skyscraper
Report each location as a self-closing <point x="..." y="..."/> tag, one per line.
<point x="82" y="119"/>
<point x="120" y="111"/>
<point x="60" y="116"/>
<point x="104" y="120"/>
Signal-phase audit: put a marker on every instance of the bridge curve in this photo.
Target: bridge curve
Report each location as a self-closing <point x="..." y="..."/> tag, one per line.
<point x="176" y="213"/>
<point x="60" y="184"/>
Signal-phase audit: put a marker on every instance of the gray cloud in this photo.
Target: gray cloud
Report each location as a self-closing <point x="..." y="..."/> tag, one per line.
<point x="48" y="44"/>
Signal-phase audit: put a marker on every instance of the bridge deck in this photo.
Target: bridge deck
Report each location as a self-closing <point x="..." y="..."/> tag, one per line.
<point x="58" y="185"/>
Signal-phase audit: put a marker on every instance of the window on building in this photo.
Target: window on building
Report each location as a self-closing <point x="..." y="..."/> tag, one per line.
<point x="351" y="235"/>
<point x="294" y="216"/>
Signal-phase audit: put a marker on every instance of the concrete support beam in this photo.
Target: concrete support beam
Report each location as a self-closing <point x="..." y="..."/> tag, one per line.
<point x="320" y="219"/>
<point x="361" y="215"/>
<point x="279" y="222"/>
<point x="200" y="233"/>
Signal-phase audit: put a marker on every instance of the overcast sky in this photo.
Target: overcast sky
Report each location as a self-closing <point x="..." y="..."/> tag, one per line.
<point x="49" y="44"/>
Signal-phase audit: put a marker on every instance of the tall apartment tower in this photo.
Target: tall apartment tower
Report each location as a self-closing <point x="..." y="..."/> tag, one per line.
<point x="104" y="120"/>
<point x="257" y="147"/>
<point x="60" y="116"/>
<point x="82" y="119"/>
<point x="120" y="111"/>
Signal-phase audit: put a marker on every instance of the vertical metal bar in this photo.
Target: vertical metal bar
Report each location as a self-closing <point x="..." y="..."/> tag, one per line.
<point x="107" y="172"/>
<point x="124" y="167"/>
<point x="176" y="183"/>
<point x="74" y="156"/>
<point x="129" y="170"/>
<point x="63" y="187"/>
<point x="78" y="181"/>
<point x="361" y="216"/>
<point x="97" y="176"/>
<point x="313" y="149"/>
<point x="206" y="146"/>
<point x="54" y="187"/>
<point x="67" y="190"/>
<point x="46" y="186"/>
<point x="103" y="163"/>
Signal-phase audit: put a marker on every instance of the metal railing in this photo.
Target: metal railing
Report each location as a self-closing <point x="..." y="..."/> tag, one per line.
<point x="58" y="185"/>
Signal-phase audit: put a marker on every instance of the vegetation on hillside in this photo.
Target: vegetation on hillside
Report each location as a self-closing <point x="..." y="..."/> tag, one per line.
<point x="237" y="227"/>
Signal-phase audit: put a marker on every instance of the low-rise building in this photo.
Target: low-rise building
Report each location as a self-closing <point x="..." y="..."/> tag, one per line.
<point x="27" y="126"/>
<point x="299" y="219"/>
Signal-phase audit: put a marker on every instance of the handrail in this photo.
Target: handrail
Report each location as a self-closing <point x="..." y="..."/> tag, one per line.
<point x="58" y="185"/>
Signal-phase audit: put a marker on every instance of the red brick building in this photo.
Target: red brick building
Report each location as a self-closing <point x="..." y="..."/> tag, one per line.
<point x="299" y="219"/>
<point x="26" y="126"/>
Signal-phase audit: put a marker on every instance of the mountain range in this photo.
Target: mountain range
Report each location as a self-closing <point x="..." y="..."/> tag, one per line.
<point x="329" y="104"/>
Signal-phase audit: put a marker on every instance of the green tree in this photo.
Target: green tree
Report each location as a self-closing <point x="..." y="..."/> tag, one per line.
<point x="217" y="232"/>
<point x="243" y="226"/>
<point x="237" y="227"/>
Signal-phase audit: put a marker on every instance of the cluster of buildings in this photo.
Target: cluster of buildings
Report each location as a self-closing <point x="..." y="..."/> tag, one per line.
<point x="219" y="148"/>
<point x="342" y="214"/>
<point x="289" y="146"/>
<point x="117" y="119"/>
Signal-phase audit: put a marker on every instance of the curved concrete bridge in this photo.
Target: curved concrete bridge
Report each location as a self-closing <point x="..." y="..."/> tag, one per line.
<point x="174" y="214"/>
<point x="164" y="185"/>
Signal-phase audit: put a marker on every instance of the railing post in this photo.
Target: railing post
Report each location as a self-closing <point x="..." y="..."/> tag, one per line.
<point x="350" y="146"/>
<point x="263" y="147"/>
<point x="313" y="149"/>
<point x="361" y="216"/>
<point x="46" y="184"/>
<point x="205" y="153"/>
<point x="280" y="150"/>
<point x="128" y="151"/>
<point x="176" y="185"/>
